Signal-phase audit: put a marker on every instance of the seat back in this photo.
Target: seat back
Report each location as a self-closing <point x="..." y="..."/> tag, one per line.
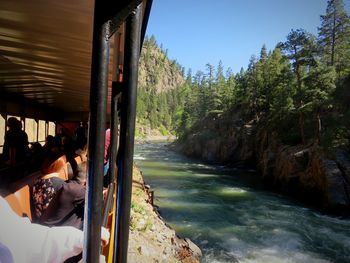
<point x="57" y="166"/>
<point x="20" y="202"/>
<point x="78" y="159"/>
<point x="14" y="204"/>
<point x="67" y="172"/>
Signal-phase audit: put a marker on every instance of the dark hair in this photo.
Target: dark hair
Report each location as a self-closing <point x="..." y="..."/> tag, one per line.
<point x="12" y="122"/>
<point x="53" y="162"/>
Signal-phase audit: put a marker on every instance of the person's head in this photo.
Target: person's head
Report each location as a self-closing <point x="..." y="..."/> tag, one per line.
<point x="52" y="144"/>
<point x="12" y="123"/>
<point x="19" y="125"/>
<point x="50" y="140"/>
<point x="35" y="147"/>
<point x="54" y="162"/>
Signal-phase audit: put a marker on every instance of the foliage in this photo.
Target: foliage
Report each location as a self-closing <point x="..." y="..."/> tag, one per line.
<point x="160" y="82"/>
<point x="293" y="90"/>
<point x="299" y="90"/>
<point x="334" y="35"/>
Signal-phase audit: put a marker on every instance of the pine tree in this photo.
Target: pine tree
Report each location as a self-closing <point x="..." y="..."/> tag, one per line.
<point x="282" y="91"/>
<point x="300" y="48"/>
<point x="320" y="84"/>
<point x="264" y="85"/>
<point x="334" y="35"/>
<point x="232" y="89"/>
<point x="253" y="86"/>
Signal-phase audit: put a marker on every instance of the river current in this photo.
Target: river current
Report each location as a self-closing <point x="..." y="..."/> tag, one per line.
<point x="232" y="218"/>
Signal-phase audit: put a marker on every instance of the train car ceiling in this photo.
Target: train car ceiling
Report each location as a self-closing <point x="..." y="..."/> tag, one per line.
<point x="45" y="55"/>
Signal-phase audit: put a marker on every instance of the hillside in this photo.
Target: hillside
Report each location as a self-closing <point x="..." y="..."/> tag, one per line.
<point x="159" y="92"/>
<point x="157" y="72"/>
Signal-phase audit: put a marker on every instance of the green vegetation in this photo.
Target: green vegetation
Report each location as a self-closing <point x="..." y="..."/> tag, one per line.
<point x="140" y="220"/>
<point x="300" y="90"/>
<point x="159" y="94"/>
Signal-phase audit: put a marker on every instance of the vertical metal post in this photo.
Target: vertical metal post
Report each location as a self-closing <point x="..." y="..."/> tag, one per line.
<point x="127" y="130"/>
<point x="114" y="130"/>
<point x="37" y="130"/>
<point x="145" y="20"/>
<point x="97" y="126"/>
<point x="116" y="90"/>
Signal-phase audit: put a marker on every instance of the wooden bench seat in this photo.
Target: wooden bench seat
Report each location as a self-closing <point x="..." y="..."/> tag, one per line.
<point x="18" y="196"/>
<point x="19" y="201"/>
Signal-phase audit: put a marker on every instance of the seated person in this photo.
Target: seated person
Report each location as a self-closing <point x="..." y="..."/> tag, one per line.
<point x="67" y="206"/>
<point x="24" y="241"/>
<point x="57" y="202"/>
<point x="45" y="187"/>
<point x="15" y="142"/>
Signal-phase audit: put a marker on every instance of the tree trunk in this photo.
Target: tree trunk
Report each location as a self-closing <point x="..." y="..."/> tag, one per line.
<point x="301" y="104"/>
<point x="318" y="127"/>
<point x="302" y="127"/>
<point x="333" y="40"/>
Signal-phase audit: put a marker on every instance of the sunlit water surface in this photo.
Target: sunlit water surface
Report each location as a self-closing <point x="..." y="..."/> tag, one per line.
<point x="232" y="219"/>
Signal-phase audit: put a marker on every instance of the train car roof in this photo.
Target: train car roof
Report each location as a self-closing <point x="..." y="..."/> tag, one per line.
<point x="45" y="56"/>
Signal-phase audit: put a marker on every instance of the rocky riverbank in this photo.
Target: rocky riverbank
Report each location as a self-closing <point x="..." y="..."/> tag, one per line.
<point x="151" y="239"/>
<point x="307" y="172"/>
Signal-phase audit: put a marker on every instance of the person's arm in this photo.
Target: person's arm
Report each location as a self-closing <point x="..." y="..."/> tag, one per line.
<point x="32" y="243"/>
<point x="62" y="243"/>
<point x="36" y="243"/>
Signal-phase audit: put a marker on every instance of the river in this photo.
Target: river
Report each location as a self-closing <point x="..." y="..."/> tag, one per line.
<point x="232" y="218"/>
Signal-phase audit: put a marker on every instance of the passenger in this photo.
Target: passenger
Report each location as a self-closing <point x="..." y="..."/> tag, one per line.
<point x="82" y="153"/>
<point x="50" y="142"/>
<point x="56" y="202"/>
<point x="107" y="150"/>
<point x="37" y="156"/>
<point x="67" y="206"/>
<point x="80" y="134"/>
<point x="68" y="148"/>
<point x="81" y="173"/>
<point x="106" y="157"/>
<point x="61" y="134"/>
<point x="16" y="142"/>
<point x="23" y="241"/>
<point x="35" y="148"/>
<point x="48" y="185"/>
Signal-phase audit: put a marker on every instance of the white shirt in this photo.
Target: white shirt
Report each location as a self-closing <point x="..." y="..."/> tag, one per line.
<point x="33" y="243"/>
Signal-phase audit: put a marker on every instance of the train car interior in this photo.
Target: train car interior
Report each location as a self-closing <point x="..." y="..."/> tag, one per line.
<point x="64" y="65"/>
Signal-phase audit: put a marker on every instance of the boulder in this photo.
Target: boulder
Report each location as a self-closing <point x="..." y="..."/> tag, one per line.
<point x="195" y="249"/>
<point x="342" y="158"/>
<point x="335" y="184"/>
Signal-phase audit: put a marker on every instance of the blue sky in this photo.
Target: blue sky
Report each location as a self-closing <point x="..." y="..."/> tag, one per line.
<point x="197" y="32"/>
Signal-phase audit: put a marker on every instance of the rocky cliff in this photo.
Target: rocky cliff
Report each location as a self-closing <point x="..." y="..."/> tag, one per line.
<point x="156" y="71"/>
<point x="304" y="171"/>
<point x="307" y="172"/>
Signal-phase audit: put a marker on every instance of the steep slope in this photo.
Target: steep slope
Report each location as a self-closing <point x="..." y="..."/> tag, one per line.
<point x="157" y="72"/>
<point x="160" y="82"/>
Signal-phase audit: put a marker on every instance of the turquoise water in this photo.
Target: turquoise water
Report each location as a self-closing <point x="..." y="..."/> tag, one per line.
<point x="232" y="219"/>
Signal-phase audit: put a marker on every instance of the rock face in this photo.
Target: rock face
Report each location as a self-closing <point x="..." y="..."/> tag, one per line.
<point x="150" y="239"/>
<point x="222" y="142"/>
<point x="306" y="172"/>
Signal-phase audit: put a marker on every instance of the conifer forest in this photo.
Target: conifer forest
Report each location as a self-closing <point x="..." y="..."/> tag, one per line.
<point x="299" y="91"/>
